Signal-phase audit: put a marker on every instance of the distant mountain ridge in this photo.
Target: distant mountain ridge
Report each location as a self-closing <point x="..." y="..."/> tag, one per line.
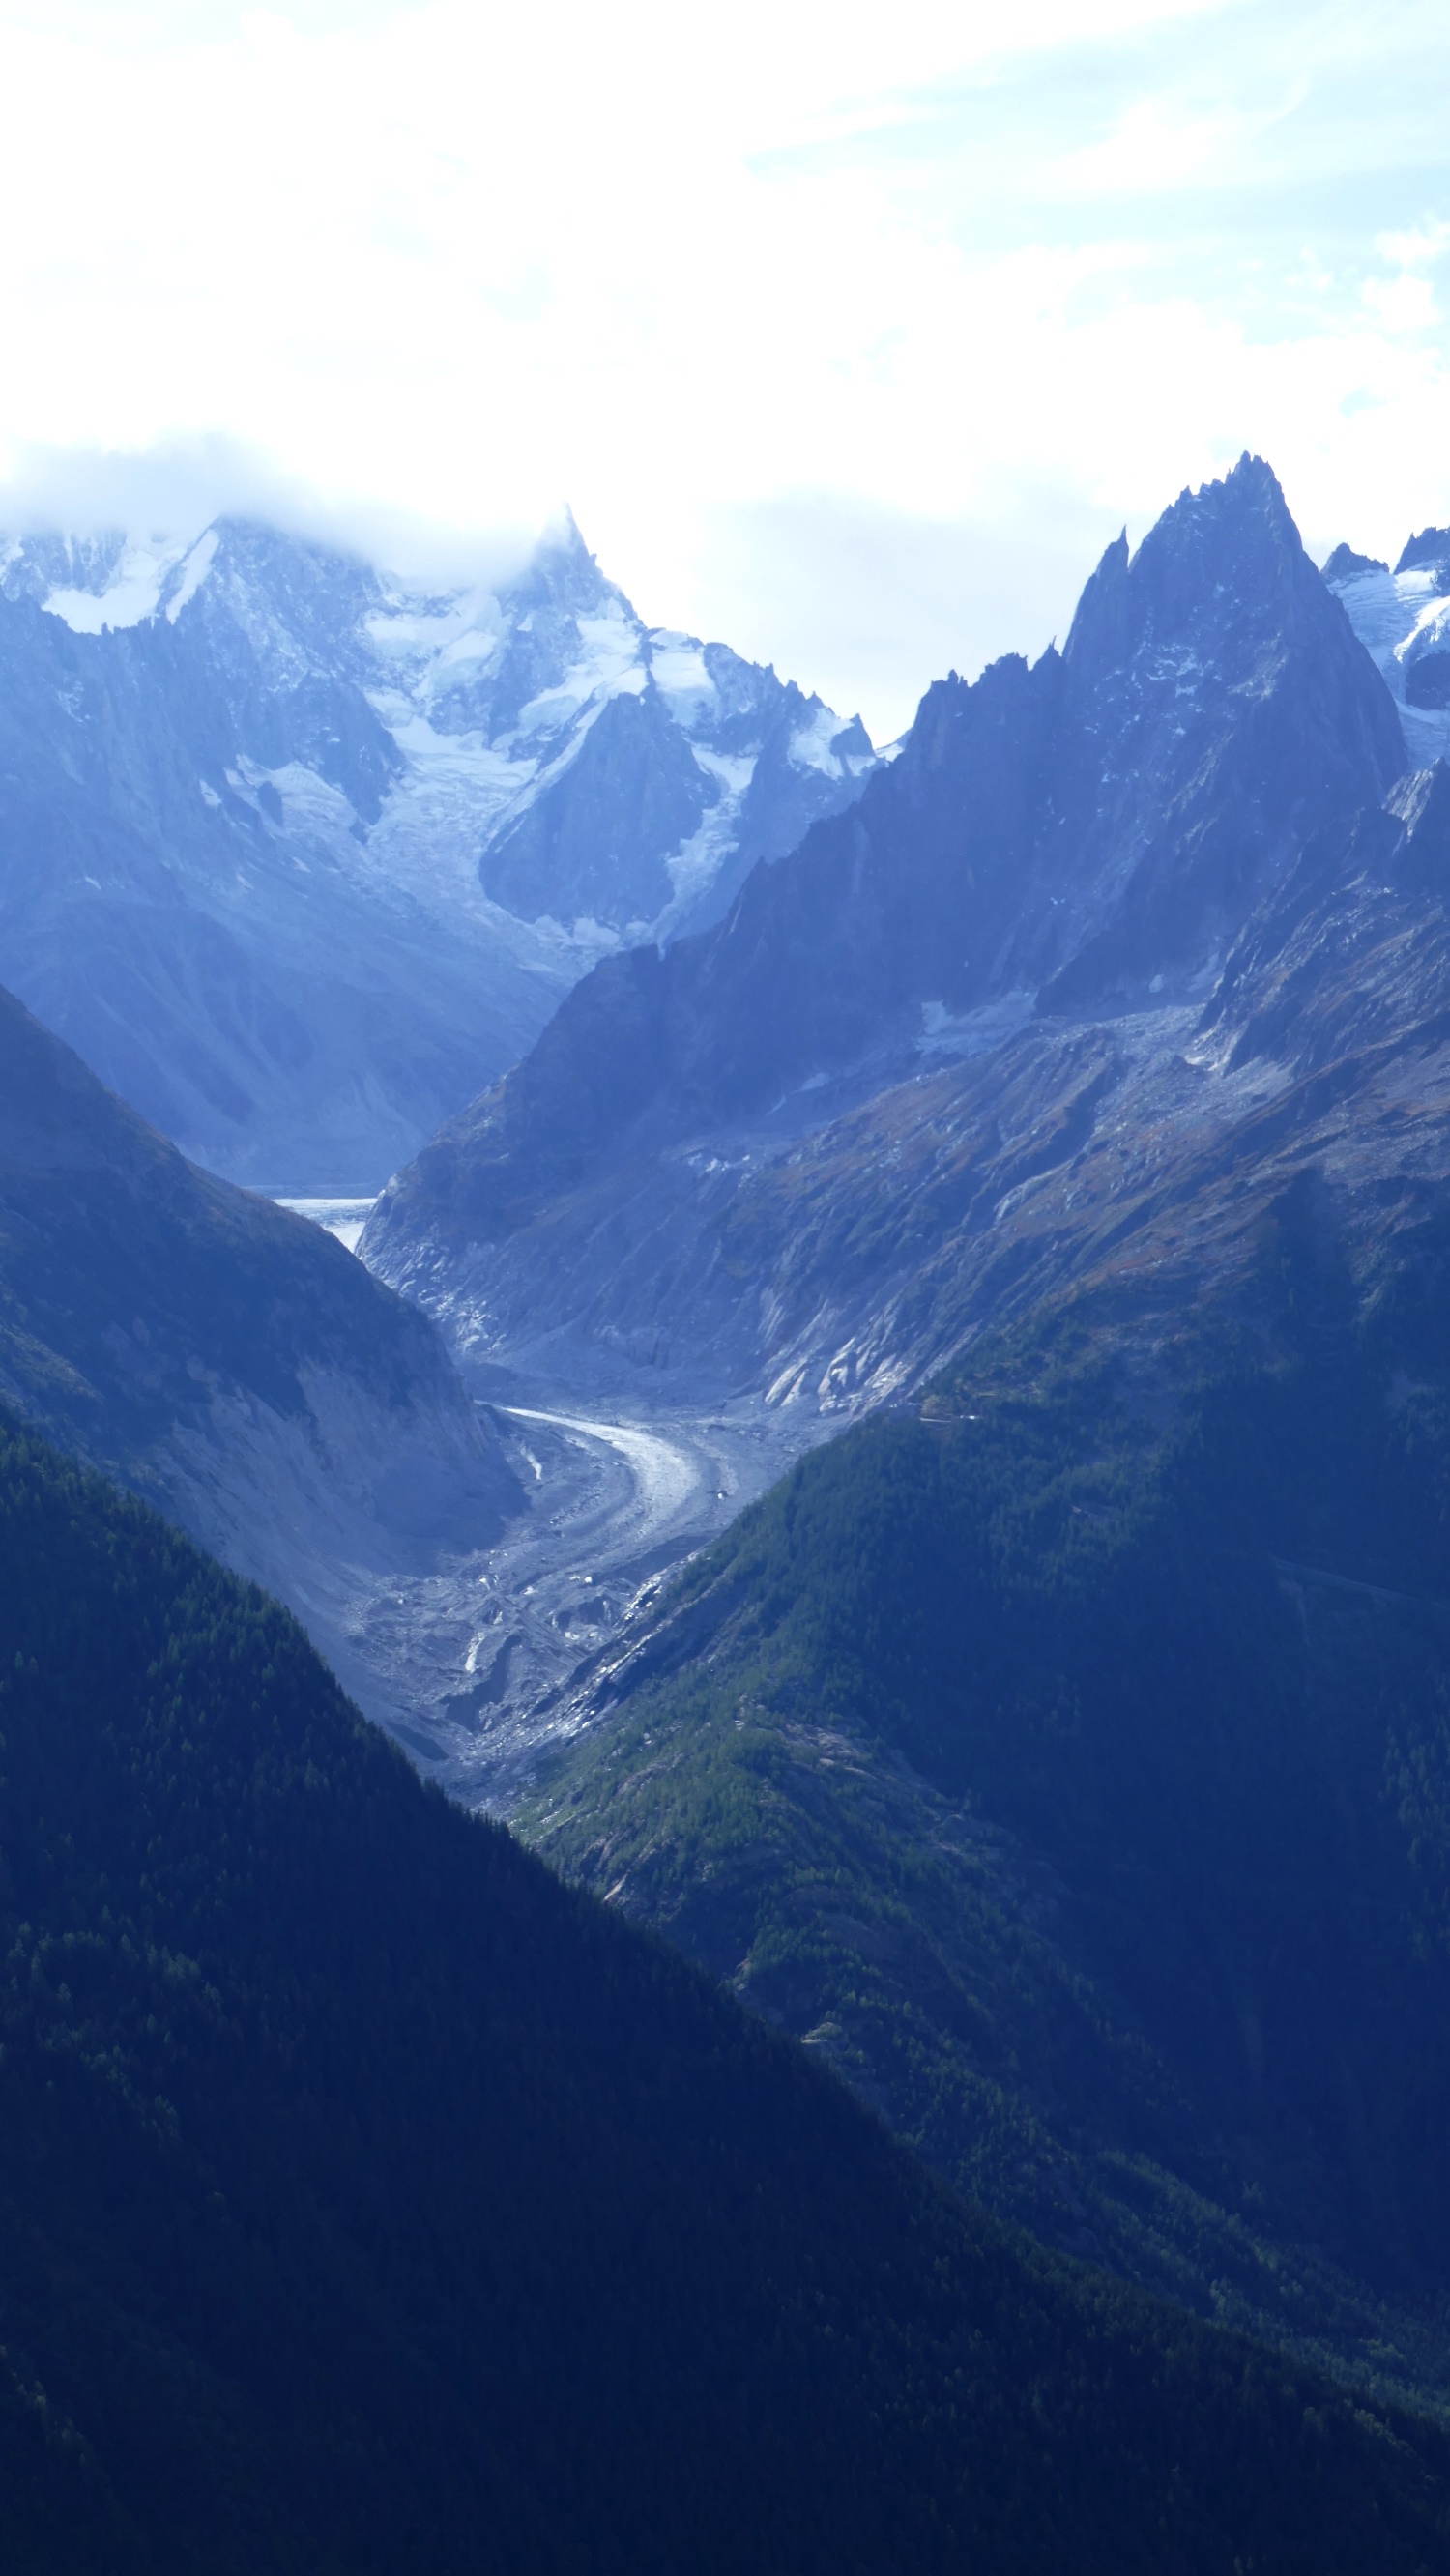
<point x="1072" y="846"/>
<point x="297" y="856"/>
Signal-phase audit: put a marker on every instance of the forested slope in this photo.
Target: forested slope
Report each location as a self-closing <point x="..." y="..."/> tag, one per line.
<point x="222" y="1356"/>
<point x="1071" y="1764"/>
<point x="369" y="2201"/>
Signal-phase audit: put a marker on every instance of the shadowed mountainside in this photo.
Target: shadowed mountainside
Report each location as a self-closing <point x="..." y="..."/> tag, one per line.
<point x="221" y="1356"/>
<point x="370" y="2201"/>
<point x="837" y="1270"/>
<point x="1070" y="1765"/>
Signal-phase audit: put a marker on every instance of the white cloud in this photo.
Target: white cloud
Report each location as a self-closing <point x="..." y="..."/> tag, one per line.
<point x="174" y="487"/>
<point x="1156" y="146"/>
<point x="1404" y="303"/>
<point x="791" y="304"/>
<point x="1417" y="249"/>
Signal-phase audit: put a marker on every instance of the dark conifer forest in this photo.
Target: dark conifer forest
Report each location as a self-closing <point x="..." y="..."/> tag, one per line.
<point x="368" y="2200"/>
<point x="1068" y="1760"/>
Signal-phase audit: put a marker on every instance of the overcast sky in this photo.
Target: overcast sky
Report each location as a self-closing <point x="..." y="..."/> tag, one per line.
<point x="851" y="333"/>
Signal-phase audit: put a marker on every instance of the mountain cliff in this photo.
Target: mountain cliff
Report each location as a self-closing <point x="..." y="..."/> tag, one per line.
<point x="296" y="856"/>
<point x="835" y="1268"/>
<point x="1072" y="846"/>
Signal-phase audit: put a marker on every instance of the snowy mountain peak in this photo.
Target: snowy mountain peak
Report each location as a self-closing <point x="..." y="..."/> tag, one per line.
<point x="564" y="575"/>
<point x="1428" y="552"/>
<point x="1210" y="578"/>
<point x="386" y="826"/>
<point x="1079" y="840"/>
<point x="1344" y="563"/>
<point x="91" y="582"/>
<point x="470" y="708"/>
<point x="1403" y="620"/>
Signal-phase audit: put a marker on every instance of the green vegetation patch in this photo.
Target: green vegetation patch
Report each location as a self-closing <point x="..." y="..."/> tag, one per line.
<point x="1070" y="1764"/>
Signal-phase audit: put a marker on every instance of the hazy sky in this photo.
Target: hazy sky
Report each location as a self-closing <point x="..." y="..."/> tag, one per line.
<point x="850" y="333"/>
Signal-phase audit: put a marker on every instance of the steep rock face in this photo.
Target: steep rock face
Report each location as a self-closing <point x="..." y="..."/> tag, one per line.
<point x="1222" y="715"/>
<point x="592" y="847"/>
<point x="222" y="1357"/>
<point x="1152" y="1147"/>
<point x="1428" y="552"/>
<point x="1088" y="835"/>
<point x="1344" y="563"/>
<point x="296" y="857"/>
<point x="835" y="1267"/>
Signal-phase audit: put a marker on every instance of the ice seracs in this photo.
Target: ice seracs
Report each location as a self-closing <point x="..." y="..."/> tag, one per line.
<point x="1403" y="619"/>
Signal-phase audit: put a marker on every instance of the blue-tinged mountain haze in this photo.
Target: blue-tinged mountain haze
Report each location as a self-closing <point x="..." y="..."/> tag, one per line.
<point x="1023" y="936"/>
<point x="297" y="858"/>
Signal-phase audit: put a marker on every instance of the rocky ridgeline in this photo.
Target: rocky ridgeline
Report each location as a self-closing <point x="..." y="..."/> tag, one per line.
<point x="1027" y="1004"/>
